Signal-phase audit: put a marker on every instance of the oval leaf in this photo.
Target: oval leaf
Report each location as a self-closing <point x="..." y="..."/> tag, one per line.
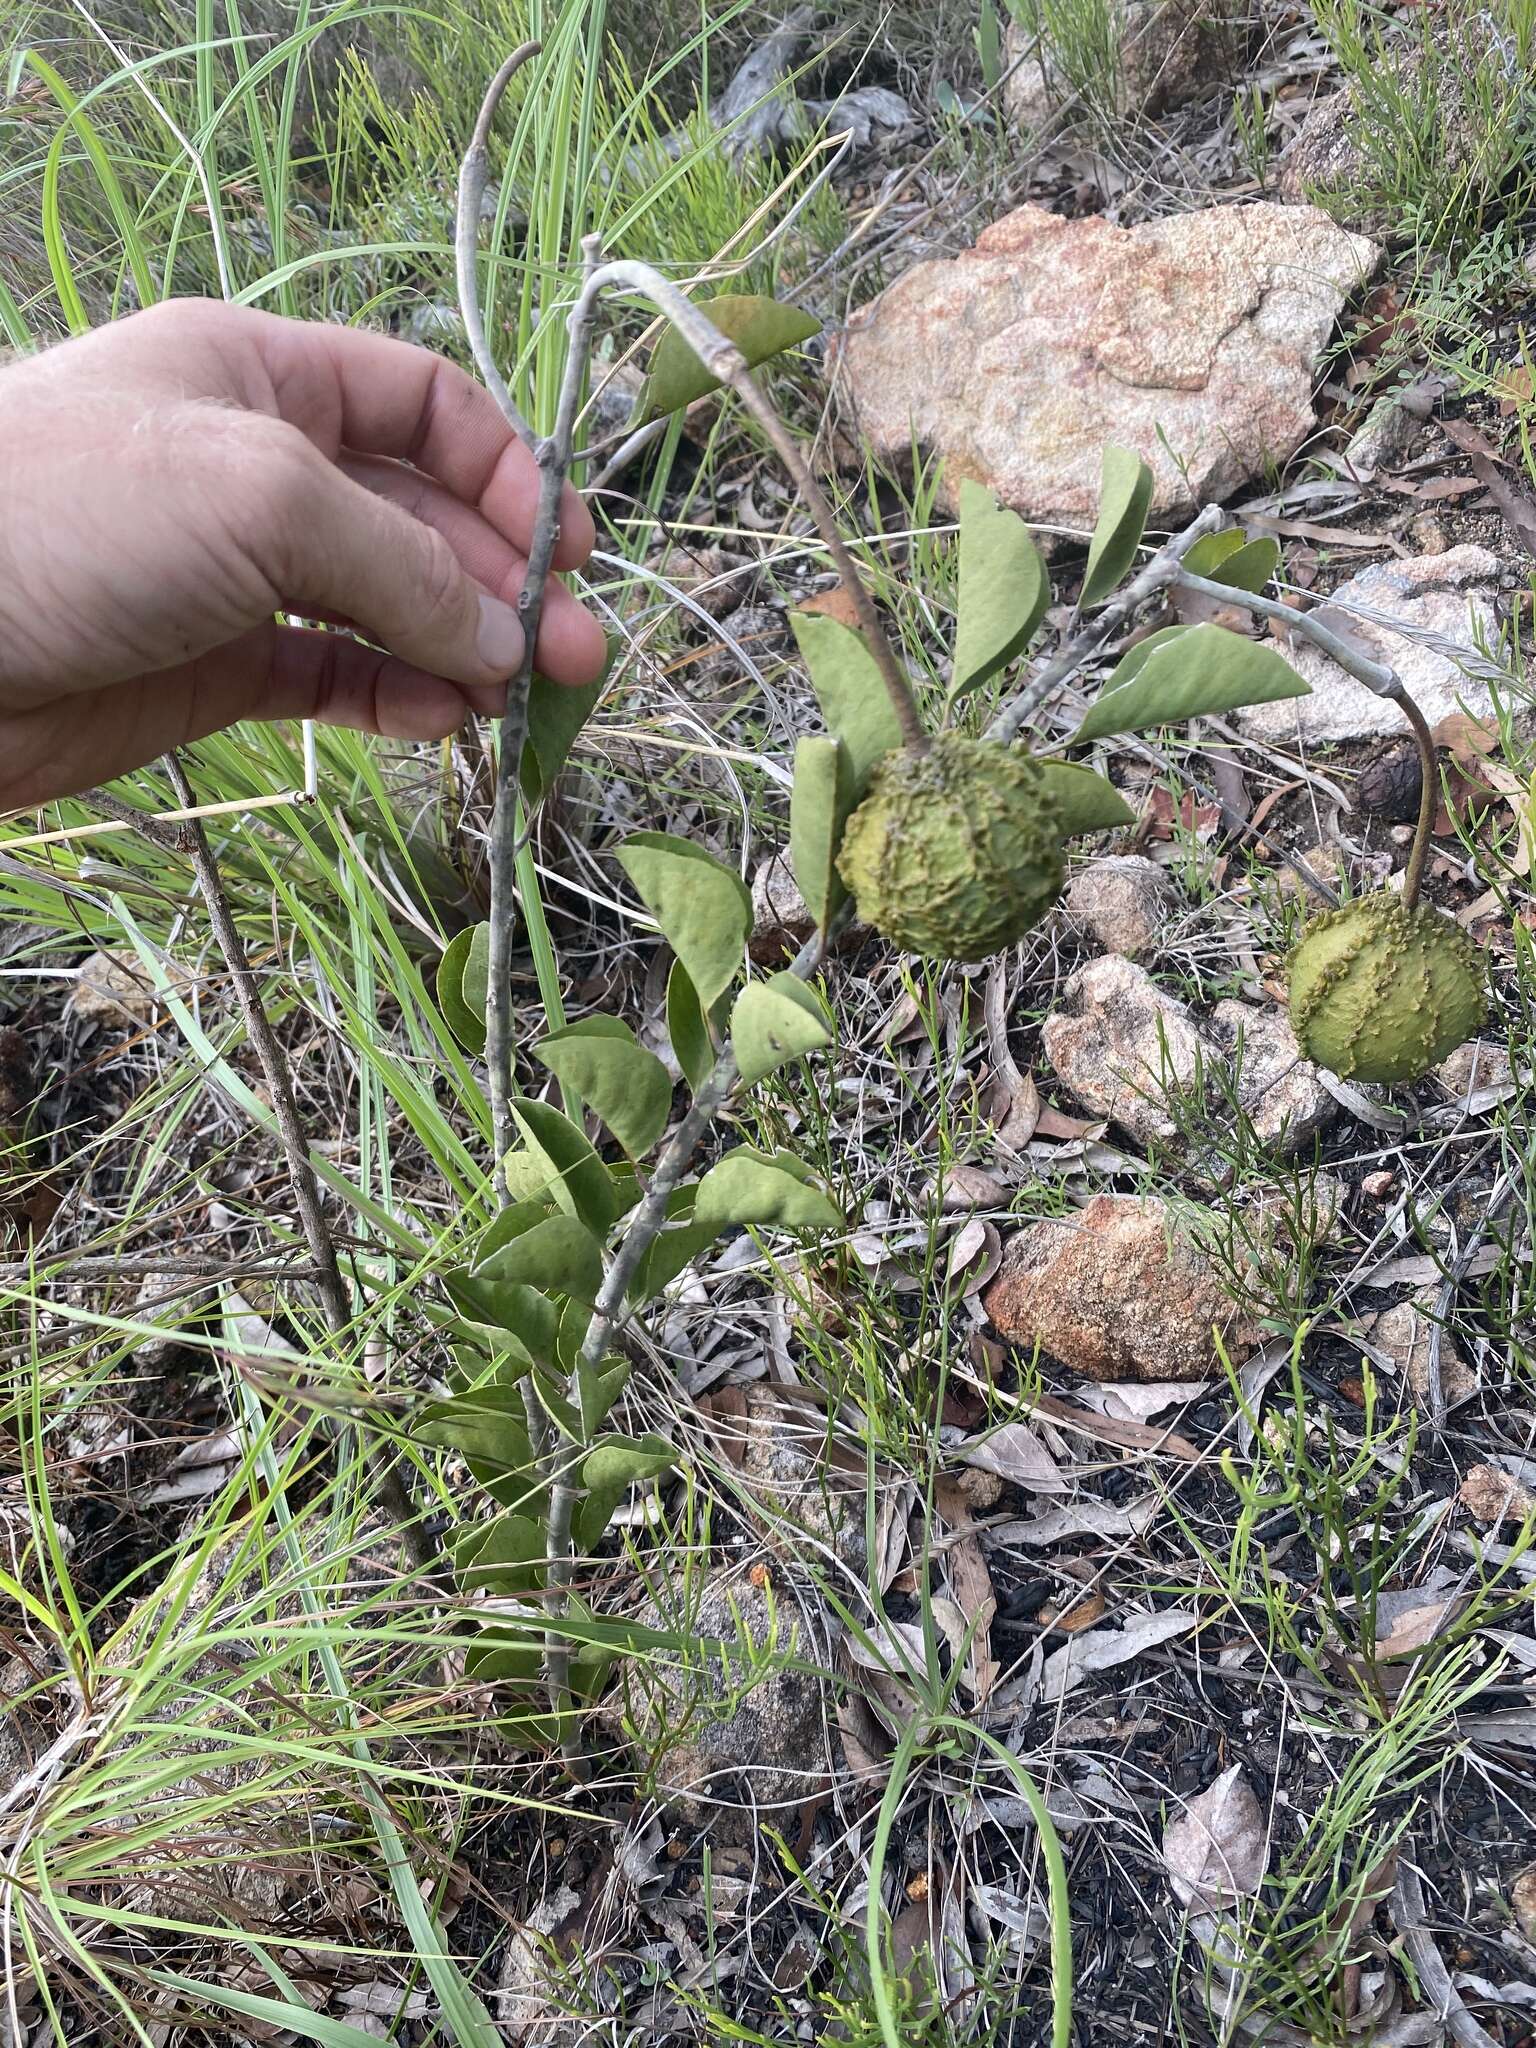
<point x="556" y="714"/>
<point x="1204" y="669"/>
<point x="1228" y="557"/>
<point x="575" y="1178"/>
<point x="849" y="690"/>
<point x="819" y="807"/>
<point x="1125" y="492"/>
<point x="466" y="1024"/>
<point x="674" y="1247"/>
<point x="777" y="1192"/>
<point x="775" y="1021"/>
<point x="558" y="1256"/>
<point x="693" y="1045"/>
<point x="507" y="1555"/>
<point x="760" y="328"/>
<point x="1089" y="803"/>
<point x="703" y="907"/>
<point x="601" y="1059"/>
<point x="1004" y="590"/>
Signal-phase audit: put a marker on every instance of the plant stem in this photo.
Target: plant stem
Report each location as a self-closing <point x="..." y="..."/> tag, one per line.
<point x="728" y="365"/>
<point x="472" y="180"/>
<point x="1378" y="677"/>
<point x="334" y="1299"/>
<point x="1158" y="573"/>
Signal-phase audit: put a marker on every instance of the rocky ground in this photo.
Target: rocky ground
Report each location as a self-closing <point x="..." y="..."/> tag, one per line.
<point x="1167" y="1411"/>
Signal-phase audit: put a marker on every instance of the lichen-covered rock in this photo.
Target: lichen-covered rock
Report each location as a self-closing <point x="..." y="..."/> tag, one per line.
<point x="1124" y="901"/>
<point x="1120" y="1044"/>
<point x="719" y="1737"/>
<point x="955" y="852"/>
<point x="1194" y="339"/>
<point x="1405" y="1333"/>
<point x="1450" y="596"/>
<point x="1119" y="1291"/>
<point x="1381" y="993"/>
<point x="1166" y="51"/>
<point x="1279" y="1087"/>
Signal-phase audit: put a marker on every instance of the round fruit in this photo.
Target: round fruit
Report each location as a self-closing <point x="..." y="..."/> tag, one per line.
<point x="955" y="852"/>
<point x="1380" y="993"/>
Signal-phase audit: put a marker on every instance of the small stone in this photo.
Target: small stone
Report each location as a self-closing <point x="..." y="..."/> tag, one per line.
<point x="528" y="1998"/>
<point x="1124" y="901"/>
<point x="1167" y="51"/>
<point x="1117" y="1043"/>
<point x="794" y="1480"/>
<point x="1492" y="1496"/>
<point x="781" y="918"/>
<point x="1119" y="1291"/>
<point x="966" y="1187"/>
<point x="1378" y="1186"/>
<point x="1451" y="595"/>
<point x="719" y="1740"/>
<point x="1404" y="1332"/>
<point x="1522" y="1896"/>
<point x="111" y="989"/>
<point x="1476" y="1069"/>
<point x="1281" y="1090"/>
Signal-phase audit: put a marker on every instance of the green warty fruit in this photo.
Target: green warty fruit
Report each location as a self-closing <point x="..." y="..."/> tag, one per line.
<point x="956" y="852"/>
<point x="1380" y="993"/>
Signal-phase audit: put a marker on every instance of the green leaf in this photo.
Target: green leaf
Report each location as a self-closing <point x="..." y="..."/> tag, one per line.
<point x="703" y="907"/>
<point x="557" y="1255"/>
<point x="775" y="1021"/>
<point x="693" y="1045"/>
<point x="760" y="328"/>
<point x="1089" y="802"/>
<point x="628" y="1087"/>
<point x="1228" y="557"/>
<point x="1205" y="669"/>
<point x="488" y="1430"/>
<point x="462" y="975"/>
<point x="1124" y="495"/>
<point x="610" y="1469"/>
<point x="597" y="1388"/>
<point x="574" y="1176"/>
<point x="819" y="807"/>
<point x="674" y="1247"/>
<point x="1004" y="590"/>
<point x="507" y="1555"/>
<point x="523" y="1316"/>
<point x="556" y="714"/>
<point x="850" y="691"/>
<point x="751" y="1187"/>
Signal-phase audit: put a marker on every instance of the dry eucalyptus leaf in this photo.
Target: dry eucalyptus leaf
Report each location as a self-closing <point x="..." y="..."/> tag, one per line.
<point x="1102" y="1649"/>
<point x="975" y="1253"/>
<point x="970" y="1187"/>
<point x="1015" y="1452"/>
<point x="1217" y="1849"/>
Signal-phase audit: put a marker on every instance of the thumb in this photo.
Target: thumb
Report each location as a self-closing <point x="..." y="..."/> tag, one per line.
<point x="366" y="559"/>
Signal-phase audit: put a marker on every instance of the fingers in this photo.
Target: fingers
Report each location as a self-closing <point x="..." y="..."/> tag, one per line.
<point x="572" y="647"/>
<point x="350" y="389"/>
<point x="345" y="550"/>
<point x="275" y="672"/>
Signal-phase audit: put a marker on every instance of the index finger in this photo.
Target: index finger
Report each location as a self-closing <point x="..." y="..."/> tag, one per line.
<point x="346" y="388"/>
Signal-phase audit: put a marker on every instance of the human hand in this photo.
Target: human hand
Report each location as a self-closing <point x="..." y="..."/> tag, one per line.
<point x="169" y="483"/>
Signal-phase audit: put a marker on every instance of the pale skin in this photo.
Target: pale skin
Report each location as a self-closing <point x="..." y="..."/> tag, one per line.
<point x="169" y="485"/>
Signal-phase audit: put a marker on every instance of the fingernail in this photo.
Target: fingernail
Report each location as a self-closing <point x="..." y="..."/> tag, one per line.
<point x="499" y="642"/>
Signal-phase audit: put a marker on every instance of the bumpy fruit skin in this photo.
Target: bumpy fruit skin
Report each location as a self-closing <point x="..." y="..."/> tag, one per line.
<point x="1380" y="993"/>
<point x="955" y="853"/>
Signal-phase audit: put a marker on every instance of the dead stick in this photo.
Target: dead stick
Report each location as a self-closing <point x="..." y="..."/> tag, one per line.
<point x="335" y="1301"/>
